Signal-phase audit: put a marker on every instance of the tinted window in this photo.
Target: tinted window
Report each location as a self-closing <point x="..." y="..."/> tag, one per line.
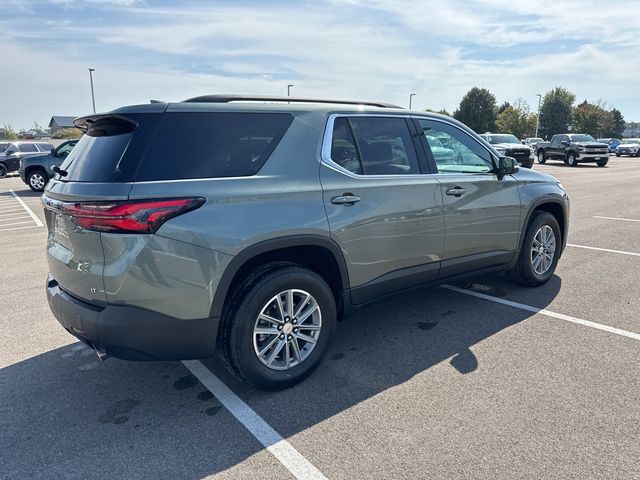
<point x="3" y="147"/>
<point x="44" y="147"/>
<point x="209" y="145"/>
<point x="98" y="156"/>
<point x="343" y="146"/>
<point x="27" y="147"/>
<point x="384" y="145"/>
<point x="455" y="151"/>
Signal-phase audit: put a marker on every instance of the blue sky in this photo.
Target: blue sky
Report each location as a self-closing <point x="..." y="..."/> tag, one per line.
<point x="370" y="50"/>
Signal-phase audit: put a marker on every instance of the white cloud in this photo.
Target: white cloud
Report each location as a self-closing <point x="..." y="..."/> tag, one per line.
<point x="378" y="49"/>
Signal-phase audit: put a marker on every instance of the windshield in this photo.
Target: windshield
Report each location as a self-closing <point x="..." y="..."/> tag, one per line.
<point x="581" y="138"/>
<point x="493" y="139"/>
<point x="3" y="147"/>
<point x="631" y="140"/>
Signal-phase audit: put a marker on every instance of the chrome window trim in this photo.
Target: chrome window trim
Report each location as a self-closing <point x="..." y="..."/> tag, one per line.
<point x="328" y="138"/>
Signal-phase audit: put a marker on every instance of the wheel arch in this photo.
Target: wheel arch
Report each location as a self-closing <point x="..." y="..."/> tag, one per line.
<point x="556" y="208"/>
<point x="318" y="253"/>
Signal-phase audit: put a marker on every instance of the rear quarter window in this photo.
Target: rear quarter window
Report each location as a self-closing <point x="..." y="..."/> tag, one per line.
<point x="210" y="145"/>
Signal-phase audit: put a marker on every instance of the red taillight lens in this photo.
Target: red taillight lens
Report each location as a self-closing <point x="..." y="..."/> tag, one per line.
<point x="137" y="216"/>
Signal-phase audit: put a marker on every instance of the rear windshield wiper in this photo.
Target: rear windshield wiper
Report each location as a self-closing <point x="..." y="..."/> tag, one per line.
<point x="59" y="171"/>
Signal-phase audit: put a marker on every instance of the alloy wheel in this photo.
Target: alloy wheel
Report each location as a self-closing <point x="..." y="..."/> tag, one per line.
<point x="543" y="249"/>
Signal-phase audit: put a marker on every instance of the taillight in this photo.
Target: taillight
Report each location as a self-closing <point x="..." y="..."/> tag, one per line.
<point x="137" y="216"/>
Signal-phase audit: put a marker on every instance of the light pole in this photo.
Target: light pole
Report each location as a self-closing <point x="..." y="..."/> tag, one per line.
<point x="289" y="89"/>
<point x="93" y="98"/>
<point x="538" y="115"/>
<point x="410" y="99"/>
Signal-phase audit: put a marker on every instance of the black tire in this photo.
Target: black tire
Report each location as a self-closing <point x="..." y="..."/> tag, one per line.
<point x="602" y="163"/>
<point x="523" y="272"/>
<point x="570" y="160"/>
<point x="617" y="154"/>
<point x="33" y="177"/>
<point x="236" y="339"/>
<point x="541" y="156"/>
<point x="3" y="170"/>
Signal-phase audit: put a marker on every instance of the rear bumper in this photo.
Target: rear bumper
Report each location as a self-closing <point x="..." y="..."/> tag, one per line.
<point x="132" y="333"/>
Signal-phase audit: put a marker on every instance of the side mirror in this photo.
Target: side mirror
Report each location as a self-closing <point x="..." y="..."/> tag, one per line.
<point x="507" y="166"/>
<point x="9" y="152"/>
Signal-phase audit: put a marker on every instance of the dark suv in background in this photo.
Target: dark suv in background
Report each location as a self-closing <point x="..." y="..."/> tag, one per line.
<point x="37" y="170"/>
<point x="254" y="226"/>
<point x="16" y="151"/>
<point x="573" y="148"/>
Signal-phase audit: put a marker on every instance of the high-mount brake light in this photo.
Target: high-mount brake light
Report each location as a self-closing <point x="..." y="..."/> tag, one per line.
<point x="129" y="216"/>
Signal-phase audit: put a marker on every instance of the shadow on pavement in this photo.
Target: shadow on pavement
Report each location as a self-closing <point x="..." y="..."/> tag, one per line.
<point x="64" y="415"/>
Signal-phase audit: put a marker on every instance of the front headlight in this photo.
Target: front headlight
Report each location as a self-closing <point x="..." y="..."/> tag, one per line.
<point x="500" y="149"/>
<point x="561" y="186"/>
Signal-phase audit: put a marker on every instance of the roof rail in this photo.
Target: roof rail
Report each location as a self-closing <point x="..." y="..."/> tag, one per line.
<point x="274" y="98"/>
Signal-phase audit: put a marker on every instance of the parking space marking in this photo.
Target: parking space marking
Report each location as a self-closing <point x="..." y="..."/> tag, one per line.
<point x="603" y="249"/>
<point x="284" y="452"/>
<point x="26" y="207"/>
<point x="548" y="313"/>
<point x="617" y="218"/>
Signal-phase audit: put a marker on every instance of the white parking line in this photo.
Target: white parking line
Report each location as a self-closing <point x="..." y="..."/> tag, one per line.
<point x="26" y="207"/>
<point x="617" y="218"/>
<point x="548" y="313"/>
<point x="604" y="249"/>
<point x="288" y="456"/>
<point x="17" y="228"/>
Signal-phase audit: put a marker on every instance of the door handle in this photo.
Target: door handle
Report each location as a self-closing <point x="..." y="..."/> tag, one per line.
<point x="456" y="191"/>
<point x="345" y="199"/>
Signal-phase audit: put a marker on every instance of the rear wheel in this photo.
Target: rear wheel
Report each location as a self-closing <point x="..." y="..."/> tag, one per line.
<point x="602" y="163"/>
<point x="540" y="251"/>
<point x="37" y="180"/>
<point x="571" y="160"/>
<point x="278" y="326"/>
<point x="541" y="157"/>
<point x="3" y="170"/>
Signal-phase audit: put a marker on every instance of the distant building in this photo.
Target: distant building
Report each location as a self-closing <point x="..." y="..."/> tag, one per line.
<point x="59" y="122"/>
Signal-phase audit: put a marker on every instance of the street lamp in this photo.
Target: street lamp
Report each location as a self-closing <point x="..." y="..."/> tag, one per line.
<point x="410" y="99"/>
<point x="538" y="115"/>
<point x="289" y="89"/>
<point x="93" y="98"/>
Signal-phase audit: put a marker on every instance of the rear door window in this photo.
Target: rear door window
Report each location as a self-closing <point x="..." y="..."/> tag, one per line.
<point x="210" y="145"/>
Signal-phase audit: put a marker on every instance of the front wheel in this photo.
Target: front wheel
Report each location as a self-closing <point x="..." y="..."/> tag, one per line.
<point x="602" y="163"/>
<point x="540" y="251"/>
<point x="37" y="180"/>
<point x="278" y="326"/>
<point x="541" y="157"/>
<point x="3" y="170"/>
<point x="617" y="154"/>
<point x="571" y="161"/>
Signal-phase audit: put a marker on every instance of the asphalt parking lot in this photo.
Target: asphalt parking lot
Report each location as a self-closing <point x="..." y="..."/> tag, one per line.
<point x="470" y="382"/>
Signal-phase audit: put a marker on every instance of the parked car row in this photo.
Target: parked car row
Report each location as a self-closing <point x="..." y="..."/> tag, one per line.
<point x="13" y="152"/>
<point x="35" y="161"/>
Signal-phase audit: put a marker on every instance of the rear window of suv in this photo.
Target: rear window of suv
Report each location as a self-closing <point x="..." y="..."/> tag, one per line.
<point x="172" y="146"/>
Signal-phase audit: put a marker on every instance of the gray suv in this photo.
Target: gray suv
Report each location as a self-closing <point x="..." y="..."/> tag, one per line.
<point x="251" y="228"/>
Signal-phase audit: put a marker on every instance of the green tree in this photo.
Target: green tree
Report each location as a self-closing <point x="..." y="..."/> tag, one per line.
<point x="477" y="110"/>
<point x="517" y="119"/>
<point x="556" y="110"/>
<point x="587" y="118"/>
<point x="10" y="133"/>
<point x="68" y="133"/>
<point x="617" y="124"/>
<point x="503" y="107"/>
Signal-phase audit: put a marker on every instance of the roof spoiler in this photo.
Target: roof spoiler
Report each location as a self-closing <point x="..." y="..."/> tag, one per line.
<point x="226" y="98"/>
